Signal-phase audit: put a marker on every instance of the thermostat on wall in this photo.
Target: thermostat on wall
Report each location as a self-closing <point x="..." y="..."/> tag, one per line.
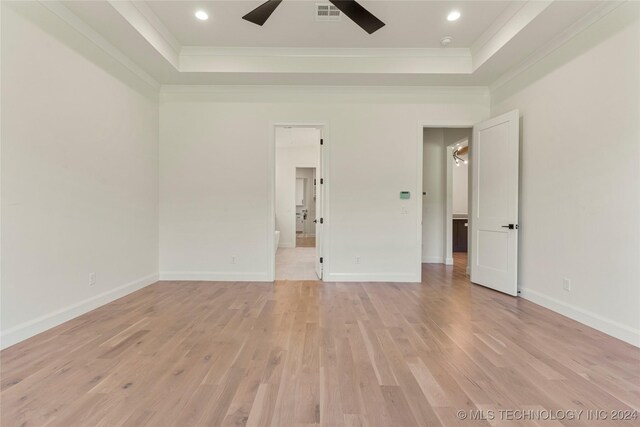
<point x="405" y="195"/>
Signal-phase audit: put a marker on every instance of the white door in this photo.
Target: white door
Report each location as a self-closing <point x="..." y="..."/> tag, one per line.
<point x="494" y="196"/>
<point x="319" y="220"/>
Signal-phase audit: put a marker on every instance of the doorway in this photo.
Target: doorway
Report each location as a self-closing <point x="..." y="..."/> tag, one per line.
<point x="298" y="202"/>
<point x="492" y="225"/>
<point x="457" y="203"/>
<point x="445" y="197"/>
<point x="306" y="185"/>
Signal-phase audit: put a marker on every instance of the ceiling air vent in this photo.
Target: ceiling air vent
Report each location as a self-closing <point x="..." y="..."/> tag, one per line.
<point x="327" y="12"/>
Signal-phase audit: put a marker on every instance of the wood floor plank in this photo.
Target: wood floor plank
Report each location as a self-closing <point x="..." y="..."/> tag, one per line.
<point x="307" y="353"/>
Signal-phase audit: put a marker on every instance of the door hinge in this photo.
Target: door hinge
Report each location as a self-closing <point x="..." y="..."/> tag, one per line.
<point x="321" y="141"/>
<point x="321" y="180"/>
<point x="321" y="260"/>
<point x="321" y="220"/>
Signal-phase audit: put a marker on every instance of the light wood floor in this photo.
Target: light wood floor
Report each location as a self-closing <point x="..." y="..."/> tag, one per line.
<point x="308" y="353"/>
<point x="296" y="264"/>
<point x="305" y="241"/>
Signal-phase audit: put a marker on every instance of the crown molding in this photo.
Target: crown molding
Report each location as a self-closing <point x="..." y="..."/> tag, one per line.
<point x="144" y="21"/>
<point x="157" y="24"/>
<point x="206" y="59"/>
<point x="305" y="52"/>
<point x="233" y="89"/>
<point x="505" y="29"/>
<point x="399" y="61"/>
<point x="496" y="26"/>
<point x="389" y="61"/>
<point x="325" y="60"/>
<point x="581" y="25"/>
<point x="84" y="29"/>
<point x="345" y="94"/>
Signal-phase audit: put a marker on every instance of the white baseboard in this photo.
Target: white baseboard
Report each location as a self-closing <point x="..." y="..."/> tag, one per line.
<point x="375" y="277"/>
<point x="602" y="324"/>
<point x="433" y="260"/>
<point x="214" y="276"/>
<point x="448" y="261"/>
<point x="40" y="324"/>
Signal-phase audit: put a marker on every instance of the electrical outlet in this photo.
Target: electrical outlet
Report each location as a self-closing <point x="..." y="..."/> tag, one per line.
<point x="92" y="279"/>
<point x="566" y="284"/>
<point x="233" y="260"/>
<point x="357" y="260"/>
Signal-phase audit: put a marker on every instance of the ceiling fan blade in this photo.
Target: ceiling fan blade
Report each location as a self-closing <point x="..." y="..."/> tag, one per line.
<point x="260" y="14"/>
<point x="358" y="14"/>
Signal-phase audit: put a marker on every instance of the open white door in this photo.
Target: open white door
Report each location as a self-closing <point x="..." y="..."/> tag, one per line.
<point x="319" y="221"/>
<point x="494" y="196"/>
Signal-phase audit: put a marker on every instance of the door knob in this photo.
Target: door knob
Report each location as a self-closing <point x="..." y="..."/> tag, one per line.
<point x="511" y="226"/>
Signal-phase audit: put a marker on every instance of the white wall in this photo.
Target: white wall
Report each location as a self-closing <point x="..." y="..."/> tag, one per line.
<point x="433" y="205"/>
<point x="295" y="152"/>
<point x="210" y="209"/>
<point x="580" y="175"/>
<point x="308" y="174"/>
<point x="460" y="181"/>
<point x="79" y="175"/>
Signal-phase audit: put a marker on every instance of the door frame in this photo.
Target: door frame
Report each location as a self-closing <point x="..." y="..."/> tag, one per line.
<point x="452" y="124"/>
<point x="324" y="210"/>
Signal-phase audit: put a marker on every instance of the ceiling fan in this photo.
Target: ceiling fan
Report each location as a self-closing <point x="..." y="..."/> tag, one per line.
<point x="354" y="10"/>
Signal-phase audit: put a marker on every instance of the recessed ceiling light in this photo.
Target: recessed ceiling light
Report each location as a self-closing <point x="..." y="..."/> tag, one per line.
<point x="446" y="41"/>
<point x="202" y="15"/>
<point x="453" y="15"/>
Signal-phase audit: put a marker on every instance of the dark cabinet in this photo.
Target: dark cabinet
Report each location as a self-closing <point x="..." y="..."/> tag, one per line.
<point x="460" y="227"/>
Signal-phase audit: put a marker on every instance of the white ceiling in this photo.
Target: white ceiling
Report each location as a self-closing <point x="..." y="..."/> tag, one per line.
<point x="169" y="46"/>
<point x="293" y="24"/>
